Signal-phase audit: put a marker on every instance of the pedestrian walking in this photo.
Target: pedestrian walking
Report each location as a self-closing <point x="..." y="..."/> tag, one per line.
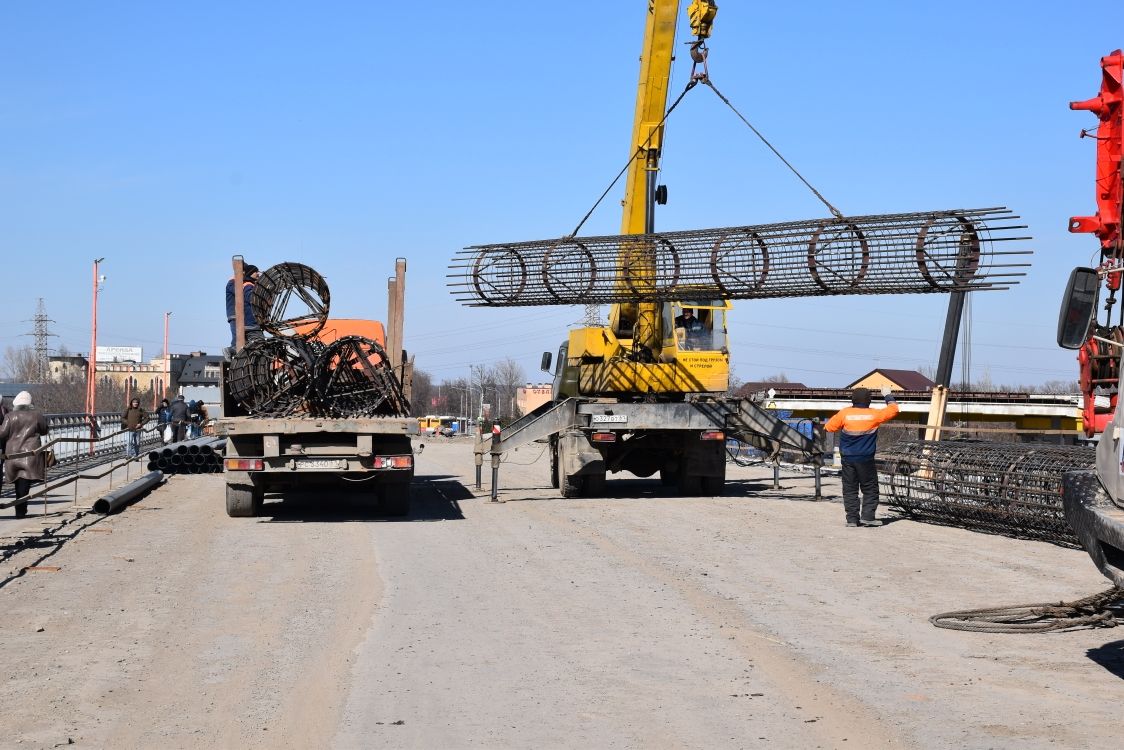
<point x="164" y="421"/>
<point x="21" y="433"/>
<point x="858" y="424"/>
<point x="132" y="421"/>
<point x="180" y="418"/>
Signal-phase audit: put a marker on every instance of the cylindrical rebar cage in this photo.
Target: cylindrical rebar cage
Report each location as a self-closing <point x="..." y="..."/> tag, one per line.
<point x="915" y="253"/>
<point x="1013" y="489"/>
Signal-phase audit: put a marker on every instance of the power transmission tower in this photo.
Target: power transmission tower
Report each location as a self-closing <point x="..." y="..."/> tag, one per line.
<point x="41" y="333"/>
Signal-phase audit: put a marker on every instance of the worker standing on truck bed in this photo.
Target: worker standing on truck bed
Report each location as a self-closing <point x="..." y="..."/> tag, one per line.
<point x="250" y="274"/>
<point x="859" y="425"/>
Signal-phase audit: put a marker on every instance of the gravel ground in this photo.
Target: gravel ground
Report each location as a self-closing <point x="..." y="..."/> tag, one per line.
<point x="638" y="620"/>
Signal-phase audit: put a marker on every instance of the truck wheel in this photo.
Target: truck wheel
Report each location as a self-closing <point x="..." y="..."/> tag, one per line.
<point x="689" y="484"/>
<point x="554" y="464"/>
<point x="594" y="485"/>
<point x="713" y="486"/>
<point x="572" y="485"/>
<point x="243" y="500"/>
<point x="394" y="499"/>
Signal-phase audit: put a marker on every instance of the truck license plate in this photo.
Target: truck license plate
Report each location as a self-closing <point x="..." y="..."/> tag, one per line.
<point x="321" y="463"/>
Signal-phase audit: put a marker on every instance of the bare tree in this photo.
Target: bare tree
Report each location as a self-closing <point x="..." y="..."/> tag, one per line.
<point x="422" y="399"/>
<point x="20" y="364"/>
<point x="507" y="377"/>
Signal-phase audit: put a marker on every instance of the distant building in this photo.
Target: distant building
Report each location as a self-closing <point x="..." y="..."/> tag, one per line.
<point x="898" y="380"/>
<point x="530" y="397"/>
<point x="67" y="368"/>
<point x="199" y="380"/>
<point x="142" y="376"/>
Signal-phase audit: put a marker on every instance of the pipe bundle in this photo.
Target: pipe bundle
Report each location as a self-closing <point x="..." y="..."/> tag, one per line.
<point x="1012" y="489"/>
<point x="916" y="253"/>
<point x="199" y="456"/>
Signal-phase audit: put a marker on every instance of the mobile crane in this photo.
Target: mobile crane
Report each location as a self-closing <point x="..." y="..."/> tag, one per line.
<point x="1094" y="500"/>
<point x="643" y="394"/>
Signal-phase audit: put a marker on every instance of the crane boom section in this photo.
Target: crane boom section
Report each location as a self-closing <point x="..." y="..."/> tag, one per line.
<point x="651" y="103"/>
<point x="644" y="350"/>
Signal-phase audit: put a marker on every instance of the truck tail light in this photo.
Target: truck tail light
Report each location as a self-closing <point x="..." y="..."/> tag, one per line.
<point x="244" y="464"/>
<point x="712" y="435"/>
<point x="604" y="437"/>
<point x="393" y="462"/>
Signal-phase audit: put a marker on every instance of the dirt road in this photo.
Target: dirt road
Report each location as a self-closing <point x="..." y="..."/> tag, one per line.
<point x="641" y="620"/>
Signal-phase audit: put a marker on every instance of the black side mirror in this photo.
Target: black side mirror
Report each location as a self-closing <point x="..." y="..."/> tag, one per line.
<point x="1079" y="305"/>
<point x="545" y="364"/>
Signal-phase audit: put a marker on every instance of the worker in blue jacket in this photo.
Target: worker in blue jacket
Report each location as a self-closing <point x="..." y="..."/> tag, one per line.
<point x="859" y="425"/>
<point x="250" y="274"/>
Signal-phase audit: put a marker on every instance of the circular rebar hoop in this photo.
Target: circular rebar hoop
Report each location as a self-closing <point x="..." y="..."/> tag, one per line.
<point x="272" y="377"/>
<point x="499" y="273"/>
<point x="291" y="299"/>
<point x="353" y="378"/>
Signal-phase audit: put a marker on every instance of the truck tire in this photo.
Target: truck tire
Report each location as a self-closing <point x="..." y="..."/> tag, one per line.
<point x="689" y="485"/>
<point x="394" y="499"/>
<point x="554" y="463"/>
<point x="713" y="486"/>
<point x="243" y="500"/>
<point x="594" y="485"/>
<point x="571" y="485"/>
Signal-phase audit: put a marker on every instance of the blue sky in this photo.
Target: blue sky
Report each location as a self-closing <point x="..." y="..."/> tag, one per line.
<point x="167" y="138"/>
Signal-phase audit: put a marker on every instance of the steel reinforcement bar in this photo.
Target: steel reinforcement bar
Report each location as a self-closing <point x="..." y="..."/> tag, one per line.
<point x="1013" y="489"/>
<point x="915" y="253"/>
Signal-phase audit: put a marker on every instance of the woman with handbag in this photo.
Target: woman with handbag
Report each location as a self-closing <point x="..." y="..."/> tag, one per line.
<point x="22" y="433"/>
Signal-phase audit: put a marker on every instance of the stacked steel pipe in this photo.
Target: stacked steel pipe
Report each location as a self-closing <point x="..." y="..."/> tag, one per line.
<point x="1012" y="489"/>
<point x="199" y="456"/>
<point x="294" y="372"/>
<point x="916" y="253"/>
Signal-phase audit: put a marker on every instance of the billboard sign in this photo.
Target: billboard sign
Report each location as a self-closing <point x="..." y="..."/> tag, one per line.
<point x="118" y="354"/>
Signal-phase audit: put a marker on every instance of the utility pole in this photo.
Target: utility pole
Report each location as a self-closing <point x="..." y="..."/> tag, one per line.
<point x="91" y="372"/>
<point x="167" y="359"/>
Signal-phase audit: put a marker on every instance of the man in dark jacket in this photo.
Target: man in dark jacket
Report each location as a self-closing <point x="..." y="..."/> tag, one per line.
<point x="250" y="275"/>
<point x="859" y="425"/>
<point x="132" y="421"/>
<point x="180" y="418"/>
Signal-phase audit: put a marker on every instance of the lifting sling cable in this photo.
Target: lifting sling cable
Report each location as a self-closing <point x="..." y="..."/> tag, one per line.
<point x="834" y="211"/>
<point x="627" y="164"/>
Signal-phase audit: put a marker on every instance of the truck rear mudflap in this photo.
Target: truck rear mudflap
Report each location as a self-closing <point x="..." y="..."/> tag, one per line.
<point x="1097" y="520"/>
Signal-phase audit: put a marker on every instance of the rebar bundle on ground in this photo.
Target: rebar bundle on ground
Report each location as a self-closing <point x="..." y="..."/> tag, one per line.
<point x="1013" y="489"/>
<point x="199" y="456"/>
<point x="916" y="253"/>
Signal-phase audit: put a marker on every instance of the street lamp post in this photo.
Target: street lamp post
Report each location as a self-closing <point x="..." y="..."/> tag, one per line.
<point x="91" y="372"/>
<point x="167" y="357"/>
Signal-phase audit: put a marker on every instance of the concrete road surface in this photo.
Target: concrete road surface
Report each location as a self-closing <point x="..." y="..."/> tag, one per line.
<point x="641" y="620"/>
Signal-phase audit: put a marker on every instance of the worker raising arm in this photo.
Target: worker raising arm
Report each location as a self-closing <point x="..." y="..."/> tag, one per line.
<point x="859" y="425"/>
